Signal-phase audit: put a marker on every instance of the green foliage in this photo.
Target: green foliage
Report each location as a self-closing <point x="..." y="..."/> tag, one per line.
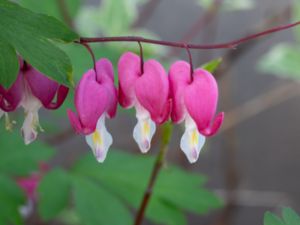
<point x="229" y="5"/>
<point x="18" y="159"/>
<point x="213" y="65"/>
<point x="112" y="17"/>
<point x="95" y="205"/>
<point x="283" y="60"/>
<point x="126" y="176"/>
<point x="53" y="192"/>
<point x="52" y="8"/>
<point x="11" y="198"/>
<point x="8" y="64"/>
<point x="289" y="217"/>
<point x="34" y="41"/>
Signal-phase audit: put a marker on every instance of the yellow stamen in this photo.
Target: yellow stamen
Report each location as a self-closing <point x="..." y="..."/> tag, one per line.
<point x="194" y="138"/>
<point x="146" y="128"/>
<point x="97" y="139"/>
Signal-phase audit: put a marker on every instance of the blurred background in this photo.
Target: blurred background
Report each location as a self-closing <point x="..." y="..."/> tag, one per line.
<point x="249" y="167"/>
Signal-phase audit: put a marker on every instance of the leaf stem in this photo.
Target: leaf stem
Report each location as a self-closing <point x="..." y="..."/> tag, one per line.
<point x="160" y="159"/>
<point x="232" y="44"/>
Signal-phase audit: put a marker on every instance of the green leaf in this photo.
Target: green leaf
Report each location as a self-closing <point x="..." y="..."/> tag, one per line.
<point x="53" y="192"/>
<point x="11" y="198"/>
<point x="52" y="8"/>
<point x="161" y="212"/>
<point x="32" y="34"/>
<point x="282" y="60"/>
<point x="111" y="17"/>
<point x="9" y="65"/>
<point x="95" y="205"/>
<point x="271" y="219"/>
<point x="18" y="159"/>
<point x="290" y="217"/>
<point x="212" y="65"/>
<point x="229" y="5"/>
<point x="127" y="176"/>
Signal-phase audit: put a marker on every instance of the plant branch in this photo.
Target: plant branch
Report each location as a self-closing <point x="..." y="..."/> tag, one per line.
<point x="232" y="44"/>
<point x="160" y="159"/>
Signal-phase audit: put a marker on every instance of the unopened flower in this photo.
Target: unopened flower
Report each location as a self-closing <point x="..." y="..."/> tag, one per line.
<point x="195" y="102"/>
<point x="147" y="91"/>
<point x="32" y="90"/>
<point x="95" y="99"/>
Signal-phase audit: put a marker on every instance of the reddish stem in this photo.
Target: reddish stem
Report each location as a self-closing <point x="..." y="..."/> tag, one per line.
<point x="232" y="44"/>
<point x="141" y="57"/>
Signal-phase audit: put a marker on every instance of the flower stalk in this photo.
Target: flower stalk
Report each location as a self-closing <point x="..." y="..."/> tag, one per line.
<point x="160" y="159"/>
<point x="232" y="44"/>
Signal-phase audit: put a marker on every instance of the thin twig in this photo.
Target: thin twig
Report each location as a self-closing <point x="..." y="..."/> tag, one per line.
<point x="260" y="103"/>
<point x="232" y="44"/>
<point x="166" y="136"/>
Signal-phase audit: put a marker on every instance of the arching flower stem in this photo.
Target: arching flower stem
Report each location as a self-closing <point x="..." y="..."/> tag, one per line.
<point x="232" y="44"/>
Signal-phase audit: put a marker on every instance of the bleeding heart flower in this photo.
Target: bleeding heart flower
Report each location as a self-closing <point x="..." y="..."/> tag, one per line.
<point x="95" y="99"/>
<point x="147" y="91"/>
<point x="32" y="90"/>
<point x="195" y="101"/>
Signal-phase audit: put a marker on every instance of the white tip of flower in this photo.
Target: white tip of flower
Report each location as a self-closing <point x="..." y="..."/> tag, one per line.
<point x="100" y="141"/>
<point x="192" y="141"/>
<point x="30" y="126"/>
<point x="143" y="133"/>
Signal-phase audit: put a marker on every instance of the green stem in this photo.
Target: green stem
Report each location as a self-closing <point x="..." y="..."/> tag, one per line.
<point x="160" y="159"/>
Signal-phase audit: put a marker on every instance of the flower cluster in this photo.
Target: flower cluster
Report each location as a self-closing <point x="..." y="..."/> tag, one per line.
<point x="31" y="91"/>
<point x="156" y="97"/>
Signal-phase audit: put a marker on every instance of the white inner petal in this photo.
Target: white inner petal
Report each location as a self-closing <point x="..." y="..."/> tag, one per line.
<point x="100" y="140"/>
<point x="31" y="107"/>
<point x="30" y="126"/>
<point x="192" y="141"/>
<point x="144" y="129"/>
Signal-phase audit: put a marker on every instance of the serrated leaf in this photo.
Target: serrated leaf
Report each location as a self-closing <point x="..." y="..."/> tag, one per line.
<point x="282" y="60"/>
<point x="9" y="65"/>
<point x="212" y="65"/>
<point x="95" y="205"/>
<point x="229" y="5"/>
<point x="11" y="198"/>
<point x="271" y="219"/>
<point x="18" y="159"/>
<point x="53" y="193"/>
<point x="29" y="33"/>
<point x="290" y="217"/>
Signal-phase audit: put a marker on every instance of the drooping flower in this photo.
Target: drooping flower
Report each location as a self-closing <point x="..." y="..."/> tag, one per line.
<point x="147" y="91"/>
<point x="29" y="185"/>
<point x="32" y="90"/>
<point x="95" y="99"/>
<point x="195" y="102"/>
